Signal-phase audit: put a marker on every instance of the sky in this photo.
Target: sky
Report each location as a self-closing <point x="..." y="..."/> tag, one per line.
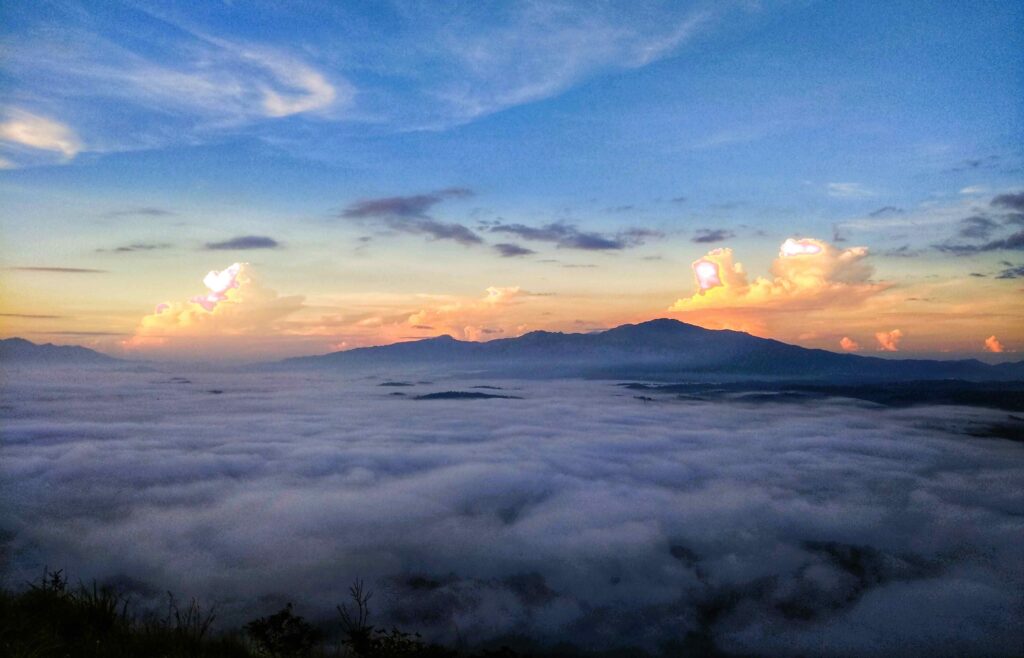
<point x="385" y="171"/>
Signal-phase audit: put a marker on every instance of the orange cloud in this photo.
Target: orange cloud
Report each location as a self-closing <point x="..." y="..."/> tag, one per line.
<point x="808" y="273"/>
<point x="848" y="344"/>
<point x="229" y="319"/>
<point x="992" y="344"/>
<point x="471" y="319"/>
<point x="889" y="341"/>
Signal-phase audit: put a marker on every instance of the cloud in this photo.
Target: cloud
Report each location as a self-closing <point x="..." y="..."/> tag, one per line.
<point x="706" y="235"/>
<point x="182" y="81"/>
<point x="84" y="333"/>
<point x="889" y="341"/>
<point x="29" y="316"/>
<point x="175" y="84"/>
<point x="848" y="191"/>
<point x="144" y="211"/>
<point x="139" y="246"/>
<point x="1006" y="211"/>
<point x="977" y="227"/>
<point x="442" y="231"/>
<point x="1010" y="201"/>
<point x="409" y="214"/>
<point x="537" y="50"/>
<point x="1013" y="242"/>
<point x="58" y="270"/>
<point x="231" y="319"/>
<point x="992" y="344"/>
<point x="903" y="251"/>
<point x="987" y="162"/>
<point x="1012" y="272"/>
<point x="510" y="250"/>
<point x="414" y="206"/>
<point x="245" y="242"/>
<point x="848" y="344"/>
<point x="468" y="318"/>
<point x="219" y="284"/>
<point x="568" y="236"/>
<point x="886" y="211"/>
<point x="455" y="513"/>
<point x="807" y="274"/>
<point x="302" y="88"/>
<point x="29" y="130"/>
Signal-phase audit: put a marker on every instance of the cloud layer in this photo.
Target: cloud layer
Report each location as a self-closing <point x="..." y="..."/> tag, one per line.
<point x="577" y="513"/>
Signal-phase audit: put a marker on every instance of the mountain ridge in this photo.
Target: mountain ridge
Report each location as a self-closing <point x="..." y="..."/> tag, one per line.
<point x="661" y="347"/>
<point x="20" y="350"/>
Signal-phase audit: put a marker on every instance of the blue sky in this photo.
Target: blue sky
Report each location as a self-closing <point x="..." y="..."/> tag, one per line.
<point x="878" y="124"/>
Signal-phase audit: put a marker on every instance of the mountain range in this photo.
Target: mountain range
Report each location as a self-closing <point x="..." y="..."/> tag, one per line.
<point x="661" y="349"/>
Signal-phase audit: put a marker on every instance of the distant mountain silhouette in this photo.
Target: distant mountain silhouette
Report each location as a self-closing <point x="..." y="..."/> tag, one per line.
<point x="656" y="349"/>
<point x="19" y="350"/>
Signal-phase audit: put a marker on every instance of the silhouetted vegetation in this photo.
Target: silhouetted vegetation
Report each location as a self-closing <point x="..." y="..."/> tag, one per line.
<point x="283" y="634"/>
<point x="53" y="619"/>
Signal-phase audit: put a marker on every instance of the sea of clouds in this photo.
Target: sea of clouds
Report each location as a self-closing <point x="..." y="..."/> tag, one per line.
<point x="578" y="512"/>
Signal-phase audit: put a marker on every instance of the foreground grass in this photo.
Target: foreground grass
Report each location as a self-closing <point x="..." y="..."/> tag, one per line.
<point x="52" y="619"/>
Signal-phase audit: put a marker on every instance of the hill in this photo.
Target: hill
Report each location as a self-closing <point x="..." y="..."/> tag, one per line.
<point x="21" y="351"/>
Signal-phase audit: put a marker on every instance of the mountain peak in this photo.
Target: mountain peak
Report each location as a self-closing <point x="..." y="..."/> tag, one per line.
<point x="658" y="327"/>
<point x="662" y="323"/>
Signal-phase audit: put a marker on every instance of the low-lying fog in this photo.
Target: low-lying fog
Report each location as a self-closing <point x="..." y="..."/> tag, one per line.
<point x="578" y="512"/>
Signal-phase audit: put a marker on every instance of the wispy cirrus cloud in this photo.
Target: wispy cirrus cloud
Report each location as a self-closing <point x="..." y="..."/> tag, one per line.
<point x="848" y="191"/>
<point x="177" y="82"/>
<point x="24" y="131"/>
<point x="173" y="76"/>
<point x="537" y="50"/>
